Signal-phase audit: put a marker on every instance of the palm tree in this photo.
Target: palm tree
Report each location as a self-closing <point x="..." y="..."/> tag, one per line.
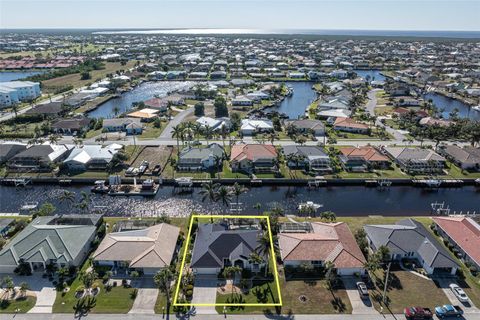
<point x="264" y="248"/>
<point x="224" y="195"/>
<point x="53" y="138"/>
<point x="209" y="191"/>
<point x="67" y="196"/>
<point x="84" y="201"/>
<point x="230" y="271"/>
<point x="177" y="132"/>
<point x="163" y="280"/>
<point x="23" y="288"/>
<point x="15" y="109"/>
<point x="208" y="133"/>
<point x="238" y="190"/>
<point x="272" y="136"/>
<point x="116" y="110"/>
<point x="9" y="285"/>
<point x="330" y="274"/>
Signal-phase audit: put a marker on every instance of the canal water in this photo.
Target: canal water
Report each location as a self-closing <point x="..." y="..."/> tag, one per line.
<point x="373" y="73"/>
<point x="143" y="92"/>
<point x="295" y="105"/>
<point x="17" y="75"/>
<point x="344" y="200"/>
<point x="449" y="104"/>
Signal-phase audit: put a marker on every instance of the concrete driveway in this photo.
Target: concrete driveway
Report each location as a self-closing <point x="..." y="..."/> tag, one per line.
<point x="359" y="305"/>
<point x="468" y="307"/>
<point x="145" y="301"/>
<point x="205" y="291"/>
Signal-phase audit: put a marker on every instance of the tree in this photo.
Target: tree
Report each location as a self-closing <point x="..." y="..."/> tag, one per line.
<point x="67" y="196"/>
<point x="238" y="190"/>
<point x="199" y="109"/>
<point x="224" y="195"/>
<point x="177" y="132"/>
<point x="329" y="216"/>
<point x="163" y="280"/>
<point x="9" y="284"/>
<point x="116" y="110"/>
<point x="220" y="106"/>
<point x="88" y="278"/>
<point x="15" y="109"/>
<point x="85" y="75"/>
<point x="383" y="254"/>
<point x="330" y="275"/>
<point x="23" y="288"/>
<point x="231" y="271"/>
<point x="46" y="209"/>
<point x="236" y="121"/>
<point x="53" y="138"/>
<point x="84" y="201"/>
<point x="263" y="249"/>
<point x="361" y="238"/>
<point x="209" y="191"/>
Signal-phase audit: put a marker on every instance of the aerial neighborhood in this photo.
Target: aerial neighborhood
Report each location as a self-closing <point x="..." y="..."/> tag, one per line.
<point x="195" y="175"/>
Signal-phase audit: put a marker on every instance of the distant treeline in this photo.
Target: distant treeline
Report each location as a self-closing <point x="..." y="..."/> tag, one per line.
<point x="85" y="66"/>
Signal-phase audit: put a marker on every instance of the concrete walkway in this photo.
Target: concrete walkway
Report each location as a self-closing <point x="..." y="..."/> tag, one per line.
<point x="45" y="300"/>
<point x="468" y="307"/>
<point x="145" y="301"/>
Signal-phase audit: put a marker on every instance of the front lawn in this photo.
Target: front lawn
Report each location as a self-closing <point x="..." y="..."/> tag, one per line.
<point x="21" y="305"/>
<point x="406" y="289"/>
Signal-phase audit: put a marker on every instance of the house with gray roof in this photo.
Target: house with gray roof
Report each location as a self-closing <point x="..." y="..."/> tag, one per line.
<point x="467" y="158"/>
<point x="199" y="158"/>
<point x="308" y="126"/>
<point x="218" y="246"/>
<point x="60" y="240"/>
<point x="409" y="239"/>
<point x="38" y="158"/>
<point x="127" y="125"/>
<point x="91" y="157"/>
<point x="416" y="160"/>
<point x="8" y="150"/>
<point x="311" y="157"/>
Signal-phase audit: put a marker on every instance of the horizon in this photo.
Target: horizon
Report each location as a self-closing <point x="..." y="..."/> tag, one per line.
<point x="318" y="15"/>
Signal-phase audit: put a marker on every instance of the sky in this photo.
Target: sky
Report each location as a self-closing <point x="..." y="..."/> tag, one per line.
<point x="454" y="15"/>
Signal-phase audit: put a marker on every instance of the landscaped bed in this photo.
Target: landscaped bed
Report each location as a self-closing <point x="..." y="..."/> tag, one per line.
<point x="20" y="305"/>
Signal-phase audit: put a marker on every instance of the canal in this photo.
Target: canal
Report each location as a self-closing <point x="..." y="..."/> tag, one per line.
<point x="145" y="91"/>
<point x="343" y="200"/>
<point x="449" y="104"/>
<point x="295" y="105"/>
<point x="17" y="75"/>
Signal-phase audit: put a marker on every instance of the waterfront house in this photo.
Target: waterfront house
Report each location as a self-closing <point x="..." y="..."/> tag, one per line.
<point x="253" y="126"/>
<point x="316" y="127"/>
<point x="331" y="115"/>
<point x="214" y="124"/>
<point x="91" y="157"/>
<point x="416" y="160"/>
<point x="321" y="243"/>
<point x="145" y="250"/>
<point x="242" y="101"/>
<point x="157" y="104"/>
<point x="464" y="234"/>
<point x="253" y="158"/>
<point x="350" y="125"/>
<point x="38" y="158"/>
<point x="128" y="125"/>
<point x="362" y="159"/>
<point x="72" y="126"/>
<point x="200" y="158"/>
<point x="218" y="246"/>
<point x="9" y="149"/>
<point x="49" y="110"/>
<point x="409" y="239"/>
<point x="333" y="104"/>
<point x="145" y="114"/>
<point x="309" y="157"/>
<point x="467" y="158"/>
<point x="63" y="241"/>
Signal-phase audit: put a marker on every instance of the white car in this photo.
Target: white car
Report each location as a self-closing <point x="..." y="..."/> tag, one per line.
<point x="459" y="293"/>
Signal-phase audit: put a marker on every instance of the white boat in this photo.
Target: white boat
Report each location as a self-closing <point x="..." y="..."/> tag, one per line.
<point x="476" y="108"/>
<point x="433" y="183"/>
<point x="309" y="205"/>
<point x="29" y="205"/>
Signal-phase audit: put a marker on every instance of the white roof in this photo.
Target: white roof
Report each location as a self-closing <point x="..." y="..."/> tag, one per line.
<point x="88" y="152"/>
<point x="251" y="124"/>
<point x="342" y="113"/>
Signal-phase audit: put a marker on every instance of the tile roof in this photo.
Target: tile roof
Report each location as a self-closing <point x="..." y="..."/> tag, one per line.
<point x="367" y="153"/>
<point x="328" y="242"/>
<point x="464" y="231"/>
<point x="252" y="152"/>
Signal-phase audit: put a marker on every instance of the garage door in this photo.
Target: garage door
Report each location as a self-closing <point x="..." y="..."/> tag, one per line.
<point x="205" y="271"/>
<point x="349" y="271"/>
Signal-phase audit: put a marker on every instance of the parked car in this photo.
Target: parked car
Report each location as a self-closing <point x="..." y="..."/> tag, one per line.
<point x="448" y="310"/>
<point x="131" y="171"/>
<point x="156" y="170"/>
<point x="417" y="313"/>
<point x="362" y="289"/>
<point x="143" y="167"/>
<point x="459" y="293"/>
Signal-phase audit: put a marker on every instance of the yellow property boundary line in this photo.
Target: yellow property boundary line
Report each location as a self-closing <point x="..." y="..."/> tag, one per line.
<point x="272" y="256"/>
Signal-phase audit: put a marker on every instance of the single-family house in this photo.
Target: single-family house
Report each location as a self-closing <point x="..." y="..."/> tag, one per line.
<point x="214" y="124"/>
<point x="200" y="158"/>
<point x="72" y="126"/>
<point x="361" y="159"/>
<point x="160" y="104"/>
<point x="467" y="158"/>
<point x="409" y="239"/>
<point x="254" y="158"/>
<point x="416" y="160"/>
<point x="310" y="157"/>
<point x="145" y="114"/>
<point x="145" y="250"/>
<point x="242" y="101"/>
<point x="308" y="126"/>
<point x="217" y="246"/>
<point x="49" y="110"/>
<point x="252" y="126"/>
<point x="350" y="125"/>
<point x="321" y="243"/>
<point x="129" y="125"/>
<point x="9" y="149"/>
<point x="464" y="234"/>
<point x="38" y="158"/>
<point x="91" y="157"/>
<point x="60" y="240"/>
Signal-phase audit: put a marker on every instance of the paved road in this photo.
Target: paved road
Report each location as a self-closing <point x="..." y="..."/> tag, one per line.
<point x="179" y="118"/>
<point x="217" y="317"/>
<point x="370" y="107"/>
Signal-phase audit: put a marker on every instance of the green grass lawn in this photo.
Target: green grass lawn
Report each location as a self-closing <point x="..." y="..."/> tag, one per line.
<point x="265" y="292"/>
<point x="152" y="132"/>
<point x="319" y="300"/>
<point x="21" y="305"/>
<point x="406" y="289"/>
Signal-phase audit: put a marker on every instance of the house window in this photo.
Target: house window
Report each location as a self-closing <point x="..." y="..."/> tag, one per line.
<point x="317" y="262"/>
